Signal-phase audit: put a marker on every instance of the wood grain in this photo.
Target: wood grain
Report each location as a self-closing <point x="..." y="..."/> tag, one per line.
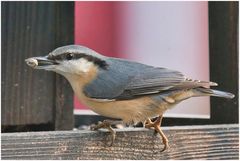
<point x="27" y="95"/>
<point x="223" y="50"/>
<point x="63" y="114"/>
<point x="186" y="142"/>
<point x="32" y="97"/>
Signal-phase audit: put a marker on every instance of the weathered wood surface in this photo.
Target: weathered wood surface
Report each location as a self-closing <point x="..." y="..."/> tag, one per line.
<point x="223" y="56"/>
<point x="186" y="142"/>
<point x="63" y="114"/>
<point x="34" y="97"/>
<point x="27" y="95"/>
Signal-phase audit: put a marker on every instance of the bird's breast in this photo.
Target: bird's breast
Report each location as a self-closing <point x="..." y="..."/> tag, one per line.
<point x="130" y="111"/>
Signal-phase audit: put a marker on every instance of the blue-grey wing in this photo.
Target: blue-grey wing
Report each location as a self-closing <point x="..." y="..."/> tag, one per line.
<point x="125" y="80"/>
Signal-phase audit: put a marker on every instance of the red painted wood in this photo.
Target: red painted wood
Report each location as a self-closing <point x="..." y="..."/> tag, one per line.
<point x="95" y="27"/>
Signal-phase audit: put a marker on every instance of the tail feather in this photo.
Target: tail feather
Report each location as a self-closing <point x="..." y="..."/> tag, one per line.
<point x="201" y="91"/>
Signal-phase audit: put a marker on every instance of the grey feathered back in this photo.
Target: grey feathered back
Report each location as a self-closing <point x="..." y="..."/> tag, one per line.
<point x="125" y="80"/>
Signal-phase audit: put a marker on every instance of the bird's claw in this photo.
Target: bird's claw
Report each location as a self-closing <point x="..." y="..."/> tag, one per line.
<point x="107" y="125"/>
<point x="156" y="125"/>
<point x="166" y="146"/>
<point x="94" y="127"/>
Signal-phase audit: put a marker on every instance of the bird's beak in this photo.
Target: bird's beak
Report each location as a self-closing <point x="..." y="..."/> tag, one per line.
<point x="40" y="63"/>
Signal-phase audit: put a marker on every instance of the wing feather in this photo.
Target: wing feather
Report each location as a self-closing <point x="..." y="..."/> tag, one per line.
<point x="126" y="80"/>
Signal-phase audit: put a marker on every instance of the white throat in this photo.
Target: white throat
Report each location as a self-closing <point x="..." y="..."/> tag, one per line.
<point x="79" y="67"/>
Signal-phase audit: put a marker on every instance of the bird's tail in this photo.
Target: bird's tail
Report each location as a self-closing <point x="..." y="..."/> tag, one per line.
<point x="201" y="91"/>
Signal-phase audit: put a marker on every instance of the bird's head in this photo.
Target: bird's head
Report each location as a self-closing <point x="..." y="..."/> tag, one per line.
<point x="69" y="60"/>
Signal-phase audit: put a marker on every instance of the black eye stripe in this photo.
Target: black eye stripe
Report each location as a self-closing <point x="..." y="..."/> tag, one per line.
<point x="97" y="61"/>
<point x="74" y="56"/>
<point x="55" y="57"/>
<point x="65" y="56"/>
<point x="69" y="56"/>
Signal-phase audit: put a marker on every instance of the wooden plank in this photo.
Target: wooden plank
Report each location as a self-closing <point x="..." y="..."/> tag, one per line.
<point x="186" y="142"/>
<point x="223" y="48"/>
<point x="31" y="98"/>
<point x="63" y="115"/>
<point x="27" y="95"/>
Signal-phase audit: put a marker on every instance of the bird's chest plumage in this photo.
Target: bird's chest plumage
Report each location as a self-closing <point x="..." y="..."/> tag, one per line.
<point x="130" y="111"/>
<point x="133" y="110"/>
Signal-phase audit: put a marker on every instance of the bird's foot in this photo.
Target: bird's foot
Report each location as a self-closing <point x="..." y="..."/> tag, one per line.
<point x="107" y="125"/>
<point x="157" y="127"/>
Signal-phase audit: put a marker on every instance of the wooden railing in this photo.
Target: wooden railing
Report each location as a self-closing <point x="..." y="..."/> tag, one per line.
<point x="186" y="142"/>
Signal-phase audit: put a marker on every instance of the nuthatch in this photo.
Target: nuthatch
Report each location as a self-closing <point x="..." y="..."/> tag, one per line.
<point x="122" y="89"/>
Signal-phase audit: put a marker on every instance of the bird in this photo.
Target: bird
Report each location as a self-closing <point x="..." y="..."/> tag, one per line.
<point x="129" y="91"/>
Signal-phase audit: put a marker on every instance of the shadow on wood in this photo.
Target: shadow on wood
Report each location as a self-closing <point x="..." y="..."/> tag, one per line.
<point x="186" y="142"/>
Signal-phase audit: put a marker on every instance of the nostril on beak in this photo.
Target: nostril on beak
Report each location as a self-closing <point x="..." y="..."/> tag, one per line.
<point x="31" y="62"/>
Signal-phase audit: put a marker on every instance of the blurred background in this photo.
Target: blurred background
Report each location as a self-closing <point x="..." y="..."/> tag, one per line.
<point x="165" y="34"/>
<point x="199" y="39"/>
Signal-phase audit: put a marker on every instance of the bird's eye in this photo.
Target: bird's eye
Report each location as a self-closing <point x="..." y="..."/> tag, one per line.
<point x="69" y="56"/>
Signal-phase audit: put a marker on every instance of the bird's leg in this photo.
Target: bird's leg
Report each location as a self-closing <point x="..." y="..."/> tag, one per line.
<point x="157" y="126"/>
<point x="107" y="125"/>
